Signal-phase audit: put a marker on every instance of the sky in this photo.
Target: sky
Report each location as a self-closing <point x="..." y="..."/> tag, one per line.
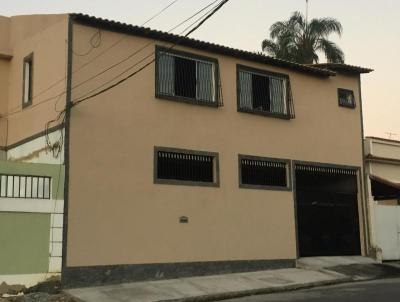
<point x="371" y="36"/>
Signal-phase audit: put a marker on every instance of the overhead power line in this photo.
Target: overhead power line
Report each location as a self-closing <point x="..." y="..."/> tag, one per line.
<point x="95" y="43"/>
<point x="145" y="58"/>
<point x="217" y="8"/>
<point x="56" y="148"/>
<point x="159" y="13"/>
<point x="142" y="48"/>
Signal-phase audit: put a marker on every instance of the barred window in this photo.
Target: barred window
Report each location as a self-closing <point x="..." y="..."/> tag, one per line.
<point x="25" y="186"/>
<point x="259" y="172"/>
<point x="187" y="77"/>
<point x="346" y="98"/>
<point x="264" y="93"/>
<point x="174" y="166"/>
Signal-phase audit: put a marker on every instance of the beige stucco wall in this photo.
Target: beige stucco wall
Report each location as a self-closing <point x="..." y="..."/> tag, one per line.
<point x="118" y="216"/>
<point x="45" y="36"/>
<point x="4" y="73"/>
<point x="4" y="36"/>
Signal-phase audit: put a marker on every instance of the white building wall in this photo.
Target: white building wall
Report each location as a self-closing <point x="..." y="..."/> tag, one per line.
<point x="385" y="219"/>
<point x="35" y="151"/>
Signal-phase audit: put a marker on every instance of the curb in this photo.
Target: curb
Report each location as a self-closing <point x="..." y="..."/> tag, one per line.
<point x="259" y="291"/>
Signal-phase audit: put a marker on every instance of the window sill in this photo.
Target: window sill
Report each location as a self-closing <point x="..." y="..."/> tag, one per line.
<point x="26" y="105"/>
<point x="187" y="100"/>
<point x="260" y="187"/>
<point x="348" y="106"/>
<point x="160" y="181"/>
<point x="264" y="113"/>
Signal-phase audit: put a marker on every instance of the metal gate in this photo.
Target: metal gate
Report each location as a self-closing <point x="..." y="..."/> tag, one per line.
<point x="387" y="220"/>
<point x="327" y="211"/>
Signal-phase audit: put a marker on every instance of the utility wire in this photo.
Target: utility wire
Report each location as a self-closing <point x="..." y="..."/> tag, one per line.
<point x="95" y="45"/>
<point x="140" y="61"/>
<point x="112" y="66"/>
<point x="76" y="102"/>
<point x="208" y="12"/>
<point x="142" y="48"/>
<point x="160" y="12"/>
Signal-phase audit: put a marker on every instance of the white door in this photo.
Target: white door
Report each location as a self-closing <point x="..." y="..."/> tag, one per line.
<point x="388" y="231"/>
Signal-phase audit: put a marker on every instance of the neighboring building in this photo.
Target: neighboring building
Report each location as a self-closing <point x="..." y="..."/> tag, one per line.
<point x="210" y="160"/>
<point x="31" y="178"/>
<point x="382" y="169"/>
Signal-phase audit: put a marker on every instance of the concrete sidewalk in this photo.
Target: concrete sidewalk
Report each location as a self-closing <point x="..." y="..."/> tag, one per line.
<point x="211" y="288"/>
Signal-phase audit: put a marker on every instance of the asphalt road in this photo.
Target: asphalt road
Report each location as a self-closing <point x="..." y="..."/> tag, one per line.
<point x="387" y="290"/>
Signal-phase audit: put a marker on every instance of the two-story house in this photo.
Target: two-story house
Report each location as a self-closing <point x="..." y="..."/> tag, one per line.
<point x="184" y="157"/>
<point x="32" y="57"/>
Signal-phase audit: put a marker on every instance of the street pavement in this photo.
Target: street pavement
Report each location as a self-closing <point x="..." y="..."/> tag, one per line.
<point x="386" y="290"/>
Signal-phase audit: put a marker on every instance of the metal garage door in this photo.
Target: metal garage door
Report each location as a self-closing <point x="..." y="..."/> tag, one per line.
<point x="327" y="211"/>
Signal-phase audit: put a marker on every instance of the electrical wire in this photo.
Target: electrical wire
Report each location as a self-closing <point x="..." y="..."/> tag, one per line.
<point x="47" y="126"/>
<point x="94" y="42"/>
<point x="94" y="45"/>
<point x="159" y="13"/>
<point x="141" y="48"/>
<point x="218" y="7"/>
<point x="148" y="56"/>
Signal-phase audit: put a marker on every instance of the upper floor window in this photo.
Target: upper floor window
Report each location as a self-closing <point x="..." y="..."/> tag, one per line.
<point x="264" y="173"/>
<point x="264" y="93"/>
<point x="27" y="81"/>
<point x="346" y="98"/>
<point x="185" y="167"/>
<point x="187" y="77"/>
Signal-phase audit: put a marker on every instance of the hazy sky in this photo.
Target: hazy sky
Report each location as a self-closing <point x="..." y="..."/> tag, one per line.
<point x="371" y="35"/>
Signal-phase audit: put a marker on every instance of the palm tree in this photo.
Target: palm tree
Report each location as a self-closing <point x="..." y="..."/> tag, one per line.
<point x="300" y="41"/>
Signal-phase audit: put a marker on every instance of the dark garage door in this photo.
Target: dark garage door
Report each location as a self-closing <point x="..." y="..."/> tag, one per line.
<point x="327" y="211"/>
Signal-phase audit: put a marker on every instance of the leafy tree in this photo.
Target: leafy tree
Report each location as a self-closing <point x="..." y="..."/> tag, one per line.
<point x="300" y="41"/>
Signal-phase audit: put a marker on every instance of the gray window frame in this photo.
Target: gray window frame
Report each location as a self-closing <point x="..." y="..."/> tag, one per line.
<point x="215" y="155"/>
<point x="352" y="106"/>
<point x="240" y="67"/>
<point x="266" y="187"/>
<point x="27" y="59"/>
<point x="218" y="101"/>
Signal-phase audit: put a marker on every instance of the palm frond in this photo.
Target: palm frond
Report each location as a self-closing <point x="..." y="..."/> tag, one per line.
<point x="325" y="26"/>
<point x="270" y="47"/>
<point x="332" y="52"/>
<point x="299" y="41"/>
<point x="278" y="28"/>
<point x="297" y="18"/>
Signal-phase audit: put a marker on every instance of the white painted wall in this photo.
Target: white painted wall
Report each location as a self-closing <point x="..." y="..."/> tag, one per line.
<point x="384" y="219"/>
<point x="388" y="231"/>
<point x="35" y="151"/>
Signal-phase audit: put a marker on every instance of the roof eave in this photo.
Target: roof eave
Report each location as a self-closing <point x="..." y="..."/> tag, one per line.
<point x="344" y="68"/>
<point x="189" y="42"/>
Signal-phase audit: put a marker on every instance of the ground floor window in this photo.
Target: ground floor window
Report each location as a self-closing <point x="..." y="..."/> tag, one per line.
<point x="185" y="167"/>
<point x="264" y="173"/>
